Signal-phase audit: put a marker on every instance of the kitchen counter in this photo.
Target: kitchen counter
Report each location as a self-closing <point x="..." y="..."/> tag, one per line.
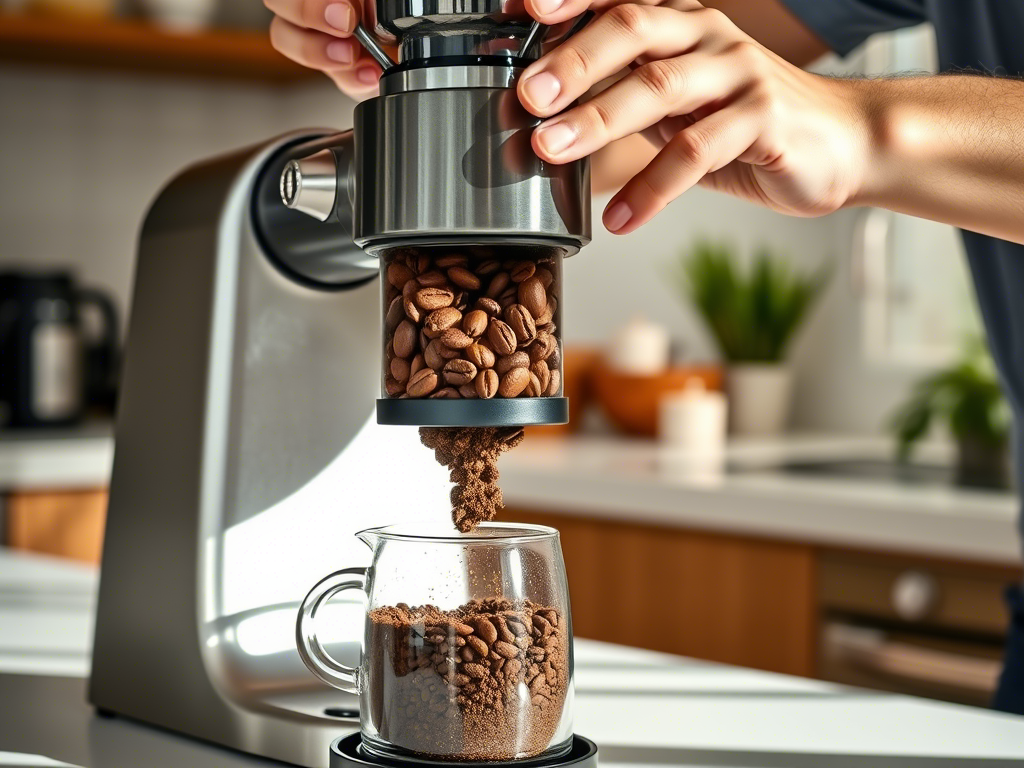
<point x="642" y="708"/>
<point x="637" y="481"/>
<point x="57" y="459"/>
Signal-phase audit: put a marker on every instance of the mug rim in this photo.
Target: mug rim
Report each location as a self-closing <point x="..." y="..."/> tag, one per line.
<point x="489" y="532"/>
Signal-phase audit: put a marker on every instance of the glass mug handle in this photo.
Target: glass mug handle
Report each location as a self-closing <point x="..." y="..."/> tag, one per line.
<point x="312" y="652"/>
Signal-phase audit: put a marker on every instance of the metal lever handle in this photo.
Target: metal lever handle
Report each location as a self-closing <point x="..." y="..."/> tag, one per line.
<point x="373" y="47"/>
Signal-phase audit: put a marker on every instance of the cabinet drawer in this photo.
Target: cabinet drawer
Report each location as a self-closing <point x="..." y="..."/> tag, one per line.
<point x="913" y="591"/>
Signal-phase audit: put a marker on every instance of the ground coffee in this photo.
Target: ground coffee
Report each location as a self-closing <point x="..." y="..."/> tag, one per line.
<point x="471" y="454"/>
<point x="486" y="681"/>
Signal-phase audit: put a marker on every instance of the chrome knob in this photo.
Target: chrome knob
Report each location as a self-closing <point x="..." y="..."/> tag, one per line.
<point x="310" y="184"/>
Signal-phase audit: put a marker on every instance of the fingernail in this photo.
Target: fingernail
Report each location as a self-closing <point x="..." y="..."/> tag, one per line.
<point x="341" y="51"/>
<point x="547" y="6"/>
<point x="368" y="75"/>
<point x="542" y="89"/>
<point x="555" y="138"/>
<point x="340" y="16"/>
<point x="616" y="217"/>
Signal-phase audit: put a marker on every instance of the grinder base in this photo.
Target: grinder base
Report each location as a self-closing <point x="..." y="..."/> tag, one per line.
<point x="347" y="752"/>
<point x="497" y="412"/>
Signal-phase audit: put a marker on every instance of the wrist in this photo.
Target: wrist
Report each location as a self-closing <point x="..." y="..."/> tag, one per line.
<point x="875" y="124"/>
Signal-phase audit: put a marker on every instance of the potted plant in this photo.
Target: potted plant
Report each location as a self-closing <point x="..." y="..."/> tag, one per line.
<point x="753" y="314"/>
<point x="969" y="398"/>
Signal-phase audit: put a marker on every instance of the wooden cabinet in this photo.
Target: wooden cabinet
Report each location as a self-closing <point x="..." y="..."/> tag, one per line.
<point x="724" y="598"/>
<point x="63" y="523"/>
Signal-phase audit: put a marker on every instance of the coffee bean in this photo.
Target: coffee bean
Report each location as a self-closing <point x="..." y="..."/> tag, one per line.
<point x="433" y="279"/>
<point x="542" y="624"/>
<point x="533" y="295"/>
<point x="452" y="260"/>
<point x="405" y="339"/>
<point x="474" y="670"/>
<point x="505" y="649"/>
<point x="458" y="372"/>
<point x="423" y="383"/>
<point x="521" y="322"/>
<point x="497" y="285"/>
<point x="542" y="347"/>
<point x="479" y="646"/>
<point x="489" y="267"/>
<point x="506" y="363"/>
<point x="417" y="364"/>
<point x="422" y="263"/>
<point x="456" y="339"/>
<point x="548" y="314"/>
<point x="393" y="387"/>
<point x="411" y="310"/>
<point x="502" y="338"/>
<point x="468" y="392"/>
<point x="508" y="297"/>
<point x="399" y="274"/>
<point x="395" y="314"/>
<point x="486" y="384"/>
<point x="448" y="393"/>
<point x="533" y="388"/>
<point x="410" y="288"/>
<point x="441" y="320"/>
<point x="475" y="323"/>
<point x="463" y="278"/>
<point x="432" y="357"/>
<point x="400" y="369"/>
<point x="546" y="277"/>
<point x="555" y="359"/>
<point x="522" y="270"/>
<point x="480" y="355"/>
<point x="490" y="306"/>
<point x="485" y="630"/>
<point x="514" y="382"/>
<point x="434" y="298"/>
<point x="543" y="373"/>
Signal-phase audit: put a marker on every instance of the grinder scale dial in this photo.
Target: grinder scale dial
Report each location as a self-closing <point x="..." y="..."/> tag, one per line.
<point x="438" y="181"/>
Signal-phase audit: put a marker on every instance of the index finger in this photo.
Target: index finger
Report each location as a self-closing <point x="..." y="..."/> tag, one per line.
<point x="556" y="11"/>
<point x="335" y="17"/>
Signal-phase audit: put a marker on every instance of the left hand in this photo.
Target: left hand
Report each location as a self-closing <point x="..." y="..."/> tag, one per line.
<point x="725" y="112"/>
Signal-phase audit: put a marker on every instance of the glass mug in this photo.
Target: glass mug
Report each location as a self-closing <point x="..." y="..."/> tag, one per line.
<point x="467" y="650"/>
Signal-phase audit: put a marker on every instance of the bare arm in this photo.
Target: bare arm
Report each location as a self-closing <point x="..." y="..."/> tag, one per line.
<point x="767" y="21"/>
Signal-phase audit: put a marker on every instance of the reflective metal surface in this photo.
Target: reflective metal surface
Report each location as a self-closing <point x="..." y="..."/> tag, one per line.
<point x="457" y="166"/>
<point x="460" y="76"/>
<point x="309" y="184"/>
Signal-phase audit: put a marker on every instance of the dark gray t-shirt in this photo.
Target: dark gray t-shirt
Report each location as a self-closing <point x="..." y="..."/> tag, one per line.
<point x="985" y="35"/>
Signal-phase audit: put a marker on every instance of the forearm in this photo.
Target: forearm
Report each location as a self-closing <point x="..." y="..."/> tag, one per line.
<point x="948" y="148"/>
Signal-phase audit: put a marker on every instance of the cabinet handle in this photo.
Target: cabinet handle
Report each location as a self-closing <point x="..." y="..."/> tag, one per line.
<point x="872" y="650"/>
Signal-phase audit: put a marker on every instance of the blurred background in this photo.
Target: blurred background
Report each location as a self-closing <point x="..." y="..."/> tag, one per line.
<point x="799" y="415"/>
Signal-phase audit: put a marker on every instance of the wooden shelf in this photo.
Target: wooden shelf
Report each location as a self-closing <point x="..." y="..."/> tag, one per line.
<point x="136" y="47"/>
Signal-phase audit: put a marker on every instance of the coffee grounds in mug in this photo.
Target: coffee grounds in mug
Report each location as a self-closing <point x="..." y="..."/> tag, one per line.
<point x="486" y="681"/>
<point x="471" y="454"/>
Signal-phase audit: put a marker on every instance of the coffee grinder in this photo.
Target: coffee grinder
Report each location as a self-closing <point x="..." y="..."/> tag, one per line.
<point x="253" y="358"/>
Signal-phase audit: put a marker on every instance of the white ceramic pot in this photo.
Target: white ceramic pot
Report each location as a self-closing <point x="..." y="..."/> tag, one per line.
<point x="759" y="398"/>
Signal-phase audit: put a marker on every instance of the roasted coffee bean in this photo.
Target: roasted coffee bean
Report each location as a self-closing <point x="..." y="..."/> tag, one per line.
<point x="506" y="363"/>
<point x="505" y="649"/>
<point x="485" y="630"/>
<point x="486" y="384"/>
<point x="432" y="355"/>
<point x="480" y="355"/>
<point x="400" y="369"/>
<point x="514" y="382"/>
<point x="392" y="387"/>
<point x="479" y="646"/>
<point x="448" y="393"/>
<point x="546" y="277"/>
<point x="475" y="323"/>
<point x="463" y="278"/>
<point x="555" y="359"/>
<point x="394" y="315"/>
<point x="399" y="274"/>
<point x="423" y="383"/>
<point x="474" y="670"/>
<point x="411" y="310"/>
<point x="468" y="392"/>
<point x="452" y="260"/>
<point x="502" y="338"/>
<point x="410" y="288"/>
<point x="405" y="339"/>
<point x="533" y="295"/>
<point x="534" y="389"/>
<point x="522" y="270"/>
<point x="548" y="314"/>
<point x="542" y="347"/>
<point x="458" y="372"/>
<point x="497" y="285"/>
<point x="422" y="263"/>
<point x="488" y="267"/>
<point x="432" y="279"/>
<point x="434" y="298"/>
<point x="441" y="320"/>
<point x="455" y="339"/>
<point x="521" y="322"/>
<point x="508" y="298"/>
<point x="417" y="364"/>
<point x="490" y="306"/>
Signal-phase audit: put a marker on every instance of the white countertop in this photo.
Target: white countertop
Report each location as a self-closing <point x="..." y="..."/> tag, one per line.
<point x="79" y="457"/>
<point x="642" y="708"/>
<point x="635" y="480"/>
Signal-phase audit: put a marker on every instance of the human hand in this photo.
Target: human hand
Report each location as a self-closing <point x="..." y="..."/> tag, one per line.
<point x="318" y="34"/>
<point x="725" y="112"/>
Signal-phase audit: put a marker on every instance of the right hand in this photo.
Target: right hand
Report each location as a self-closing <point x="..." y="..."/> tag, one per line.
<point x="318" y="34"/>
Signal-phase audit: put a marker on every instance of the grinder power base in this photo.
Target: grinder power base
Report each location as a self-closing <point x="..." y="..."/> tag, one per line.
<point x="347" y="752"/>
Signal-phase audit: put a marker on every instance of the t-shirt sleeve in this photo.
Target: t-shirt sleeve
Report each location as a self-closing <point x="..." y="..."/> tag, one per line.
<point x="845" y="24"/>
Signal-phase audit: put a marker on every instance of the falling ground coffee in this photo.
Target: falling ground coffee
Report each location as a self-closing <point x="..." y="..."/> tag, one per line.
<point x="486" y="681"/>
<point x="471" y="454"/>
